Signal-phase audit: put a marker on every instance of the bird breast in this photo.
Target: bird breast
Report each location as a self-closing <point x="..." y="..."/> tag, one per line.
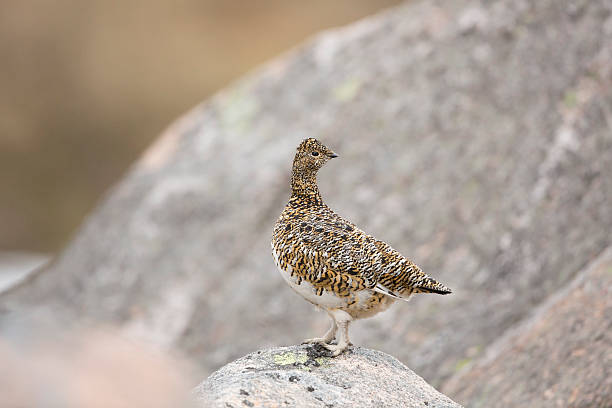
<point x="360" y="304"/>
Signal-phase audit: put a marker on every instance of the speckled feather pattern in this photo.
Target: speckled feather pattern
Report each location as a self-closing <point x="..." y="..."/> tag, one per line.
<point x="313" y="245"/>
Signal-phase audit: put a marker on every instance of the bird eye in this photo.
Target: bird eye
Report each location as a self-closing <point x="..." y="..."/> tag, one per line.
<point x="315" y="154"/>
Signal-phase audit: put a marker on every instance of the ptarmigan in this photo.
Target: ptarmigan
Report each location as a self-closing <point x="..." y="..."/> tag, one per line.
<point x="332" y="263"/>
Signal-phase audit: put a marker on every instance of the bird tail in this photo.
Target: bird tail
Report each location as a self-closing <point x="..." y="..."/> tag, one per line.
<point x="430" y="285"/>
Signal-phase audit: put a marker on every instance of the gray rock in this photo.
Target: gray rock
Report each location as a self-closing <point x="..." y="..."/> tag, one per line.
<point x="560" y="357"/>
<point x="303" y="376"/>
<point x="473" y="136"/>
<point x="16" y="266"/>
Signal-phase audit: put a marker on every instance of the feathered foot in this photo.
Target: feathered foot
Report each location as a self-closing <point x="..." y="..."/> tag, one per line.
<point x="342" y="320"/>
<point x="327" y="337"/>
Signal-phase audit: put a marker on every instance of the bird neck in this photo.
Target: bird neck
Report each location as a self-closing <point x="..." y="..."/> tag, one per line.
<point x="304" y="186"/>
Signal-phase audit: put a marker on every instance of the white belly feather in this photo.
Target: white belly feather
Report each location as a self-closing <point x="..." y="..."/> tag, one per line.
<point x="326" y="300"/>
<point x="359" y="308"/>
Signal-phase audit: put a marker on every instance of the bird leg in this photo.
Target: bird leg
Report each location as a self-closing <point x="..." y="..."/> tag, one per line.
<point x="328" y="336"/>
<point x="342" y="320"/>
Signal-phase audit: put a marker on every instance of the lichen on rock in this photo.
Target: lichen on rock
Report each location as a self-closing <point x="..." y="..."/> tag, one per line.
<point x="306" y="376"/>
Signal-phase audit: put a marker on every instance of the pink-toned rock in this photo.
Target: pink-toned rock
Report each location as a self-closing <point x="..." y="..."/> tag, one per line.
<point x="303" y="376"/>
<point x="560" y="357"/>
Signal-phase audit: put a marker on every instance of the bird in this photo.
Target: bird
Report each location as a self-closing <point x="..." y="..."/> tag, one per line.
<point x="331" y="262"/>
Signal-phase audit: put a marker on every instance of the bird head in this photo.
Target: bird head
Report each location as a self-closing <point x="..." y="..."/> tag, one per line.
<point x="311" y="155"/>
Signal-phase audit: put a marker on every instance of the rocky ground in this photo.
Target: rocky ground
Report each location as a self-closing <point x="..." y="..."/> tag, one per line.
<point x="473" y="136"/>
<point x="304" y="376"/>
<point x="561" y="356"/>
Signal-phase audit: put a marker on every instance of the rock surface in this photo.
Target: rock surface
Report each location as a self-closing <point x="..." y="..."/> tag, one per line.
<point x="16" y="266"/>
<point x="303" y="376"/>
<point x="560" y="357"/>
<point x="473" y="136"/>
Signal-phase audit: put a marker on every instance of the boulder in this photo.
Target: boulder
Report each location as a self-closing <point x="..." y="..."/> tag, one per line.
<point x="304" y="376"/>
<point x="559" y="357"/>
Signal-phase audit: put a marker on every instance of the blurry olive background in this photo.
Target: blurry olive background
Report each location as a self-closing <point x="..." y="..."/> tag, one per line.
<point x="87" y="85"/>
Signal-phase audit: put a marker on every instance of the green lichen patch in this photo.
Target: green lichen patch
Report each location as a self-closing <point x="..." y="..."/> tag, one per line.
<point x="462" y="363"/>
<point x="290" y="358"/>
<point x="313" y="356"/>
<point x="570" y="99"/>
<point x="323" y="361"/>
<point x="347" y="90"/>
<point x="237" y="109"/>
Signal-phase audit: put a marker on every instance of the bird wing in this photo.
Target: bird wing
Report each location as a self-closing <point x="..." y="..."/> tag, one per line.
<point x="346" y="258"/>
<point x="386" y="291"/>
<point x="318" y="246"/>
<point x="340" y="256"/>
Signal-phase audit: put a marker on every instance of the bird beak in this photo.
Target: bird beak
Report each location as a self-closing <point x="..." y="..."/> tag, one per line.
<point x="332" y="155"/>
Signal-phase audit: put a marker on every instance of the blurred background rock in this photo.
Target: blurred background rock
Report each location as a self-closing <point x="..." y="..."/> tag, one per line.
<point x="87" y="85"/>
<point x="475" y="136"/>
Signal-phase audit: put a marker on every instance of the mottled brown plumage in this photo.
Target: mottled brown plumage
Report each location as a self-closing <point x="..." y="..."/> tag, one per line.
<point x="332" y="263"/>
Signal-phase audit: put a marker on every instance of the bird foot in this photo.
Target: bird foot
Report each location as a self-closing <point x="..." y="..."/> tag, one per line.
<point x="336" y="349"/>
<point x="317" y="340"/>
